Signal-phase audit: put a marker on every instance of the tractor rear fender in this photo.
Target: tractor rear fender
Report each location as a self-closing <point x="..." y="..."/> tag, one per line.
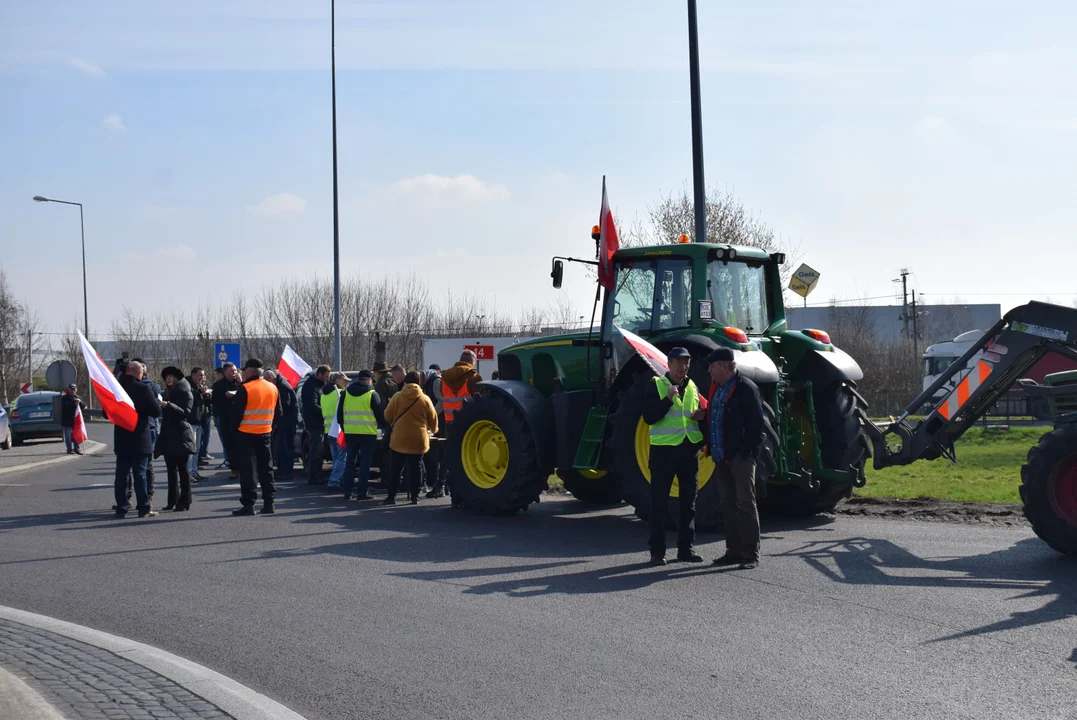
<point x="535" y="408"/>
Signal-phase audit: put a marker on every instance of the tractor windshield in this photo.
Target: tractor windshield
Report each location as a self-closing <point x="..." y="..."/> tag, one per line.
<point x="739" y="293"/>
<point x="653" y="295"/>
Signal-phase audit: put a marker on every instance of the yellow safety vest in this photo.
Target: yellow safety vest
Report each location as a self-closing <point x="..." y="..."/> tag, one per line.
<point x="329" y="407"/>
<point x="261" y="405"/>
<point x="678" y="423"/>
<point x="358" y="415"/>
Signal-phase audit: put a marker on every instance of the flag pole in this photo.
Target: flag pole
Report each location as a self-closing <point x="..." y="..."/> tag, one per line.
<point x="697" y="126"/>
<point x="336" y="205"/>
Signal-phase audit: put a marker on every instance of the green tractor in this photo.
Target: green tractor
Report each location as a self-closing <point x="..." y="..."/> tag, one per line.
<point x="572" y="404"/>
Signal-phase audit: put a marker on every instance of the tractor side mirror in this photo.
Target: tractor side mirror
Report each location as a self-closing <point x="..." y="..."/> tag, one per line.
<point x="558" y="273"/>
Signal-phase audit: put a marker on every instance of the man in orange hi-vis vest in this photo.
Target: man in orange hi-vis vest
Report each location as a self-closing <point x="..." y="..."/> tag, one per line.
<point x="458" y="384"/>
<point x="255" y="406"/>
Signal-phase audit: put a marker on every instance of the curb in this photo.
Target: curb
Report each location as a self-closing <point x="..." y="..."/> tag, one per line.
<point x="237" y="700"/>
<point x="19" y="700"/>
<point x="92" y="448"/>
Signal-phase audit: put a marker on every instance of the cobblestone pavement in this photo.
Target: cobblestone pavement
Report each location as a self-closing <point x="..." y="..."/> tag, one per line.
<point x="37" y="450"/>
<point x="88" y="683"/>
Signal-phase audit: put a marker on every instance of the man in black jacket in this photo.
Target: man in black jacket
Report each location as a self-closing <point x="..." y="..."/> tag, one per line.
<point x="311" y="406"/>
<point x="734" y="436"/>
<point x="198" y="415"/>
<point x="69" y="402"/>
<point x="224" y="392"/>
<point x="134" y="448"/>
<point x="284" y="431"/>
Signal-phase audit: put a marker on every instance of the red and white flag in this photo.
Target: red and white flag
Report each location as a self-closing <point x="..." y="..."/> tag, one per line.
<point x="608" y="242"/>
<point x="78" y="432"/>
<point x="114" y="399"/>
<point x="292" y="367"/>
<point x="335" y="431"/>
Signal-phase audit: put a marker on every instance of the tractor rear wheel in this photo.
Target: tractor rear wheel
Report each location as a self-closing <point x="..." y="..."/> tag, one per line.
<point x="631" y="440"/>
<point x="493" y="461"/>
<point x="594" y="487"/>
<point x="1049" y="488"/>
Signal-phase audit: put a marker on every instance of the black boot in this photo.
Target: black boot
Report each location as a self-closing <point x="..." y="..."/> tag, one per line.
<point x="243" y="511"/>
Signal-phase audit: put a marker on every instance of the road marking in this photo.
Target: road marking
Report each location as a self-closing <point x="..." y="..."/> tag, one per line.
<point x="237" y="700"/>
<point x="91" y="447"/>
<point x="103" y="485"/>
<point x="14" y="484"/>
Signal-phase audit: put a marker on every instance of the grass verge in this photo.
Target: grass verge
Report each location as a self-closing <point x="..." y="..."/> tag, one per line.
<point x="988" y="469"/>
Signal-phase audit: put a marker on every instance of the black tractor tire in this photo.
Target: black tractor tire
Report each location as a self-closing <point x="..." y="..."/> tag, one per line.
<point x="635" y="482"/>
<point x="843" y="445"/>
<point x="603" y="490"/>
<point x="507" y="475"/>
<point x="1049" y="488"/>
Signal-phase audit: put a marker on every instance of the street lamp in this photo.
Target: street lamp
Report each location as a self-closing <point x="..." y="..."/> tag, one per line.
<point x="337" y="346"/>
<point x="697" y="126"/>
<point x="85" y="303"/>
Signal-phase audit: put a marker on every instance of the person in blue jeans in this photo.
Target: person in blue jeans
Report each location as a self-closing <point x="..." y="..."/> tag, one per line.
<point x="330" y="396"/>
<point x="134" y="448"/>
<point x="360" y="414"/>
<point x="310" y="409"/>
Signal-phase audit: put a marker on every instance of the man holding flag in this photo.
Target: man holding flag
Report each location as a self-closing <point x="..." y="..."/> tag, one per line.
<point x="69" y="409"/>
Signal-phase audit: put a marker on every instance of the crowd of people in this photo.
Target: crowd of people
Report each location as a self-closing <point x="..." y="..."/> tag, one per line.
<point x="390" y="415"/>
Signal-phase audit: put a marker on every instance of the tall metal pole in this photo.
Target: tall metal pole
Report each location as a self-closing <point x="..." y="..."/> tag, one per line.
<point x="85" y="303"/>
<point x="697" y="127"/>
<point x="338" y="354"/>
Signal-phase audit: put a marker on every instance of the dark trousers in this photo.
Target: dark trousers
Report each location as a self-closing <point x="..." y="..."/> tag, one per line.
<point x="666" y="462"/>
<point x="432" y="465"/>
<point x="133" y="464"/>
<point x="736" y="490"/>
<point x="411" y="466"/>
<point x="314" y="455"/>
<point x="253" y="457"/>
<point x="203" y="445"/>
<point x="360" y="450"/>
<point x="230" y="439"/>
<point x="179" y="480"/>
<point x="285" y="449"/>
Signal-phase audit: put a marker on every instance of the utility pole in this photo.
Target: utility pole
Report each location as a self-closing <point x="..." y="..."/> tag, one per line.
<point x="904" y="280"/>
<point x="30" y="356"/>
<point x="915" y="329"/>
<point x="697" y="126"/>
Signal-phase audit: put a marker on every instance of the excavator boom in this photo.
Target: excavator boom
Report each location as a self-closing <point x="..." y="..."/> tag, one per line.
<point x="1010" y="348"/>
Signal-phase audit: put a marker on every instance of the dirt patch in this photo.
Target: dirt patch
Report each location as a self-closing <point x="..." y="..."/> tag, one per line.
<point x="1002" y="514"/>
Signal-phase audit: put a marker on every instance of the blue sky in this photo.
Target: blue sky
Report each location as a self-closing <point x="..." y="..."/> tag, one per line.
<point x="937" y="136"/>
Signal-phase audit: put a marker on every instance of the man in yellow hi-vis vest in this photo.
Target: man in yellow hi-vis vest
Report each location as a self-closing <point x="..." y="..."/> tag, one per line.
<point x="673" y="410"/>
<point x="254" y="408"/>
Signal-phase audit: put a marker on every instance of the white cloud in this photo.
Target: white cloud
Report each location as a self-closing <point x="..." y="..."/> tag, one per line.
<point x="176" y="252"/>
<point x="113" y="122"/>
<point x="87" y="67"/>
<point x="280" y="204"/>
<point x="441" y="191"/>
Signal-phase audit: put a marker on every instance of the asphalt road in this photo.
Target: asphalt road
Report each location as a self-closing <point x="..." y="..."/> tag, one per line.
<point x="425" y="612"/>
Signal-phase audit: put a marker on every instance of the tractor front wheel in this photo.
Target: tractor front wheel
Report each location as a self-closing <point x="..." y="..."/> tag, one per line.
<point x="593" y="487"/>
<point x="493" y="461"/>
<point x="1049" y="488"/>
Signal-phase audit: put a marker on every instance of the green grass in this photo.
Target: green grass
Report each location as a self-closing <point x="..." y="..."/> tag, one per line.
<point x="988" y="469"/>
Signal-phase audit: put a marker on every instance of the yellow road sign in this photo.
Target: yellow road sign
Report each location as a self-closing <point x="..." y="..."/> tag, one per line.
<point x="804" y="280"/>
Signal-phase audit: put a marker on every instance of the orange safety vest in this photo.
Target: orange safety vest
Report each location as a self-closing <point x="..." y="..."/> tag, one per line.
<point x="261" y="405"/>
<point x="453" y="400"/>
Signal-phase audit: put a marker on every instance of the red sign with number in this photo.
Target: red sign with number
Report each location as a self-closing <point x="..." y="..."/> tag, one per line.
<point x="482" y="352"/>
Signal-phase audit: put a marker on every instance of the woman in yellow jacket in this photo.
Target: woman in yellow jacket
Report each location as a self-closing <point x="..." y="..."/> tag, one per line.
<point x="413" y="420"/>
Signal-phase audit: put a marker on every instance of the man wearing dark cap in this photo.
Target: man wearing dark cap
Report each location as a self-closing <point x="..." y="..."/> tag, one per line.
<point x="69" y="403"/>
<point x="255" y="407"/>
<point x="734" y="436"/>
<point x="360" y="413"/>
<point x="673" y="409"/>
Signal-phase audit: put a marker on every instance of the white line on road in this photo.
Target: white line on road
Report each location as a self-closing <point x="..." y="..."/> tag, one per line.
<point x="91" y="447"/>
<point x="235" y="699"/>
<point x="14" y="484"/>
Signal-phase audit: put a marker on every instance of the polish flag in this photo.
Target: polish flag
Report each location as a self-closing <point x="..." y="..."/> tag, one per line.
<point x="114" y="399"/>
<point x="608" y="242"/>
<point x="292" y="367"/>
<point x="335" y="432"/>
<point x="78" y="432"/>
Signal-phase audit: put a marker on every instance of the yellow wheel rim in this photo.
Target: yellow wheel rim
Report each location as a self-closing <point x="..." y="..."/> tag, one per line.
<point x="592" y="474"/>
<point x="485" y="454"/>
<point x="643" y="459"/>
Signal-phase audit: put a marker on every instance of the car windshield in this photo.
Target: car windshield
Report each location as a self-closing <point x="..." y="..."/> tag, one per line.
<point x="739" y="294"/>
<point x="937" y="365"/>
<point x="653" y="295"/>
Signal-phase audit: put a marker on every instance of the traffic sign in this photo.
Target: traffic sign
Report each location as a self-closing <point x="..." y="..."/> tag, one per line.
<point x="225" y="352"/>
<point x="26" y="388"/>
<point x="60" y="374"/>
<point x="804" y="280"/>
<point x="482" y="352"/>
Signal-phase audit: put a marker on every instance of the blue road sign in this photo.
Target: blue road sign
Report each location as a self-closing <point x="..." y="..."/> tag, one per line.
<point x="225" y="352"/>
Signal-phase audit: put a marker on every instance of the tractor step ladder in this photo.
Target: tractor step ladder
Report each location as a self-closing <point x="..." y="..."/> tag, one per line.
<point x="590" y="450"/>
